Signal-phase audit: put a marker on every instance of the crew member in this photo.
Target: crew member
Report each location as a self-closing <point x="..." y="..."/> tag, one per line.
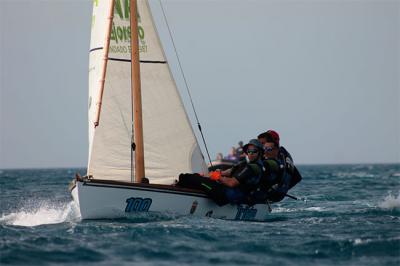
<point x="280" y="173"/>
<point x="232" y="185"/>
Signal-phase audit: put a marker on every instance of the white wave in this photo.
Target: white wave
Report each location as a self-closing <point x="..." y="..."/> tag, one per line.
<point x="44" y="213"/>
<point x="390" y="202"/>
<point x="299" y="209"/>
<point x="314" y="209"/>
<point x="281" y="209"/>
<point x="357" y="174"/>
<point x="359" y="241"/>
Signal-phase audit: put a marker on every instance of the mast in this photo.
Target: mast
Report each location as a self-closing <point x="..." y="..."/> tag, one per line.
<point x="136" y="95"/>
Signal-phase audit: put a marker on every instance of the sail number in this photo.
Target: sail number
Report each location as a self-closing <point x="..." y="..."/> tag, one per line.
<point x="245" y="213"/>
<point x="138" y="204"/>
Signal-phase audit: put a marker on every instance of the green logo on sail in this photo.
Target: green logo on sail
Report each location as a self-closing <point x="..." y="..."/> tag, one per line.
<point x="121" y="30"/>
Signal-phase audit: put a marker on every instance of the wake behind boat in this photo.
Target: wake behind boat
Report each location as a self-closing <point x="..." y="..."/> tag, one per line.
<point x="129" y="144"/>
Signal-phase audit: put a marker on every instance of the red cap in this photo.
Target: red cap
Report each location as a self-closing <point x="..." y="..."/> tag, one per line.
<point x="274" y="135"/>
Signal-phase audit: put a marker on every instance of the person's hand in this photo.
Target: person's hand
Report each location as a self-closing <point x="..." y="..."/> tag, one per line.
<point x="215" y="175"/>
<point x="226" y="172"/>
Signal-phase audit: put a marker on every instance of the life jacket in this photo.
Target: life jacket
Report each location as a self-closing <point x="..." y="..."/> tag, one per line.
<point x="271" y="174"/>
<point x="252" y="173"/>
<point x="280" y="175"/>
<point x="290" y="174"/>
<point x="249" y="176"/>
<point x="258" y="169"/>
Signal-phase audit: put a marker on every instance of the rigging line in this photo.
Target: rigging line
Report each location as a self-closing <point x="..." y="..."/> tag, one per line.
<point x="133" y="145"/>
<point x="186" y="84"/>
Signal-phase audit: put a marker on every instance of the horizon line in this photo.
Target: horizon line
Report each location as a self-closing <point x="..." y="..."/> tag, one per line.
<point x="300" y="164"/>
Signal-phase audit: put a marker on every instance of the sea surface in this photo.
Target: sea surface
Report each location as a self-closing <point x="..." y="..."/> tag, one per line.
<point x="346" y="215"/>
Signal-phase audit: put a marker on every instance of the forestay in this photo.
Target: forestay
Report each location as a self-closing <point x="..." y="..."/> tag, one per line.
<point x="170" y="146"/>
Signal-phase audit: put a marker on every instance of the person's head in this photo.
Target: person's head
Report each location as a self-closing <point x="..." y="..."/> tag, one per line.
<point x="271" y="150"/>
<point x="270" y="140"/>
<point x="253" y="150"/>
<point x="219" y="156"/>
<point x="240" y="143"/>
<point x="269" y="136"/>
<point x="232" y="151"/>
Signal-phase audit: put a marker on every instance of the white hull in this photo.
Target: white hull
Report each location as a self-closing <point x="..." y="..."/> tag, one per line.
<point x="111" y="199"/>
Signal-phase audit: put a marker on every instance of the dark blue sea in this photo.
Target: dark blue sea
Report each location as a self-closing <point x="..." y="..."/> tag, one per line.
<point x="347" y="215"/>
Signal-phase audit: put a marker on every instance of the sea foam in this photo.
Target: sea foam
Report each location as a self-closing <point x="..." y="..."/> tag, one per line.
<point x="390" y="202"/>
<point x="43" y="213"/>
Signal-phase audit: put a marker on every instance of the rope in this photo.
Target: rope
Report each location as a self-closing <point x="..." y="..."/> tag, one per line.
<point x="186" y="84"/>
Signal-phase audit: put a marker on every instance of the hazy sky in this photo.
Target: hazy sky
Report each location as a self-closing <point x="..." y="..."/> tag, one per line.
<point x="324" y="74"/>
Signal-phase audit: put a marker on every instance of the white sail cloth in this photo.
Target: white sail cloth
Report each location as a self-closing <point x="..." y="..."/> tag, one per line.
<point x="170" y="146"/>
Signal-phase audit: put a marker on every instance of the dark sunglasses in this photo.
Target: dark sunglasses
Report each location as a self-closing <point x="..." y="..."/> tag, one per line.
<point x="252" y="151"/>
<point x="268" y="149"/>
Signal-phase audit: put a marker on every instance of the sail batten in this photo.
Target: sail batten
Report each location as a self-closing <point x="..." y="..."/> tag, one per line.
<point x="170" y="146"/>
<point x="141" y="61"/>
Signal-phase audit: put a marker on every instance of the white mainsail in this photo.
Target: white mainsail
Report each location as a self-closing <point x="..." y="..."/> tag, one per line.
<point x="170" y="146"/>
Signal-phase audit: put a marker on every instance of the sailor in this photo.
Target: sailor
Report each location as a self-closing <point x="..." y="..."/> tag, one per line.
<point x="272" y="171"/>
<point x="239" y="151"/>
<point x="280" y="174"/>
<point x="232" y="185"/>
<point x="232" y="156"/>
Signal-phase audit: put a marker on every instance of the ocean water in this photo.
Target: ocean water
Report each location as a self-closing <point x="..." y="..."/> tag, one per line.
<point x="347" y="215"/>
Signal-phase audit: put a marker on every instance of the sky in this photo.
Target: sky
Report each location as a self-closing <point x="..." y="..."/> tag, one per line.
<point x="324" y="74"/>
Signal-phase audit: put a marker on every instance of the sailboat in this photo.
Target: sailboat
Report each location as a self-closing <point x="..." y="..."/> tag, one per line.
<point x="128" y="144"/>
